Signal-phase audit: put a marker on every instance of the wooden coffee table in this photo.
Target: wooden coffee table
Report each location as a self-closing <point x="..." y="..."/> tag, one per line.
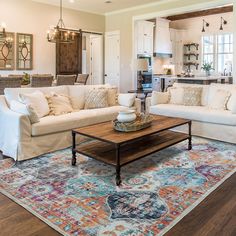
<point x="119" y="149"/>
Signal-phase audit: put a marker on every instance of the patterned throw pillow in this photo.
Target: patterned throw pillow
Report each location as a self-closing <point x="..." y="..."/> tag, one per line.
<point x="192" y="96"/>
<point x="112" y="96"/>
<point x="96" y="98"/>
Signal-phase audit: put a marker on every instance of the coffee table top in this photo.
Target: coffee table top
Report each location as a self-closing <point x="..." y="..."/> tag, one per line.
<point x="106" y="133"/>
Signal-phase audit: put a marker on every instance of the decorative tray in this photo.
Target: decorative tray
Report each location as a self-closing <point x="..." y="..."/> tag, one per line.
<point x="142" y="121"/>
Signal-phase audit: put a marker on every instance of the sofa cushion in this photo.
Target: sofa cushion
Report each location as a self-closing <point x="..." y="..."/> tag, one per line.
<point x="59" y="104"/>
<point x="205" y="89"/>
<point x="37" y="101"/>
<point x="159" y="98"/>
<point x="13" y="93"/>
<point x="77" y="94"/>
<point x="176" y="95"/>
<point x="192" y="96"/>
<point x="96" y="98"/>
<point x="196" y="113"/>
<point x="54" y="124"/>
<point x="218" y="99"/>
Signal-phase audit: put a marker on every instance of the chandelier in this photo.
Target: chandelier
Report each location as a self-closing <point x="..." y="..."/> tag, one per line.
<point x="3" y="30"/>
<point x="59" y="33"/>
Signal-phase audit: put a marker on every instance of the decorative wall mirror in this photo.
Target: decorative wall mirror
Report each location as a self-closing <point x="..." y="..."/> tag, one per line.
<point x="7" y="51"/>
<point x="24" y="52"/>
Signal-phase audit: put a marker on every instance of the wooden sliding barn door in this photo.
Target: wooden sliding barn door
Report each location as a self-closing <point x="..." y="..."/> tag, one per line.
<point x="69" y="57"/>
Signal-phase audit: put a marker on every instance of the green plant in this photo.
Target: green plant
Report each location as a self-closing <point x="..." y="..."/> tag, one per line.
<point x="206" y="66"/>
<point x="25" y="79"/>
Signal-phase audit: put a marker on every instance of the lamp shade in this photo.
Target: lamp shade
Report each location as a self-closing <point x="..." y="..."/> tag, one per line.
<point x="142" y="64"/>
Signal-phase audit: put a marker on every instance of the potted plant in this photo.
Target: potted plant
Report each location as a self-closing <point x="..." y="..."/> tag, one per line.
<point x="208" y="67"/>
<point x="25" y="79"/>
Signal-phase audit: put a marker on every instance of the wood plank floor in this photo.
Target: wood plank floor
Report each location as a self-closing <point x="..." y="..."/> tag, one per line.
<point x="215" y="216"/>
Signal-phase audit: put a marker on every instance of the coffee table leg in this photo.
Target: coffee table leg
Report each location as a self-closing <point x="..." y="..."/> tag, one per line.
<point x="118" y="179"/>
<point x="73" y="149"/>
<point x="190" y="135"/>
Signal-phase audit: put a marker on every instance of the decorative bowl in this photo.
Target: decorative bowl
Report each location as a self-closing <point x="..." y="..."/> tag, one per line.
<point x="126" y="116"/>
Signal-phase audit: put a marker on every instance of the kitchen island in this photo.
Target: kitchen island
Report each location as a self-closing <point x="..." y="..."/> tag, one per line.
<point x="166" y="81"/>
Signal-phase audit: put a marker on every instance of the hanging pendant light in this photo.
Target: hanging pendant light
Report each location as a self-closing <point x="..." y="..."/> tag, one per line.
<point x="60" y="34"/>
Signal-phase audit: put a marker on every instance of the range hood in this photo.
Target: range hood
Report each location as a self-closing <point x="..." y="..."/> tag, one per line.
<point x="162" y="40"/>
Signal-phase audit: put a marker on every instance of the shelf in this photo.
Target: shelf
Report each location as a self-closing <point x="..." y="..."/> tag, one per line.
<point x="131" y="151"/>
<point x="191" y="54"/>
<point x="189" y="45"/>
<point x="189" y="64"/>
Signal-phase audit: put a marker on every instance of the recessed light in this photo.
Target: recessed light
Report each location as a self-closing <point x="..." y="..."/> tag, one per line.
<point x="108" y="1"/>
<point x="72" y="1"/>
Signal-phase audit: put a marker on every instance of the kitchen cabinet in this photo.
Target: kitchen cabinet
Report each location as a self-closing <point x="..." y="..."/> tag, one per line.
<point x="144" y="37"/>
<point x="177" y="37"/>
<point x="163" y="44"/>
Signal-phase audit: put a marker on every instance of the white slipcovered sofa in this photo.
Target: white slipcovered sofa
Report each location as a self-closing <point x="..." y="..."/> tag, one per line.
<point x="207" y="122"/>
<point x="22" y="140"/>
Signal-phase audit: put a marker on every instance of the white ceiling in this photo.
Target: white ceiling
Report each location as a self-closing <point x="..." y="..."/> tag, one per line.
<point x="99" y="6"/>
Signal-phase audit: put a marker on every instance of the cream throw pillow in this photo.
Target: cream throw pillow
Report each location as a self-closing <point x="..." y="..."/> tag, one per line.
<point x="96" y="98"/>
<point x="126" y="99"/>
<point x="176" y="95"/>
<point x="159" y="98"/>
<point x="219" y="100"/>
<point x="231" y="105"/>
<point x="59" y="104"/>
<point x="112" y="96"/>
<point x="37" y="101"/>
<point x="192" y="96"/>
<point x="27" y="110"/>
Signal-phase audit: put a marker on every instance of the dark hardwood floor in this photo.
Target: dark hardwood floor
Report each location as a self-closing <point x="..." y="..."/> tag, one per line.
<point x="215" y="216"/>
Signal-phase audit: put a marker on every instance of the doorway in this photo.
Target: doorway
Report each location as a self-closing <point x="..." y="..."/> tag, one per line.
<point x="112" y="58"/>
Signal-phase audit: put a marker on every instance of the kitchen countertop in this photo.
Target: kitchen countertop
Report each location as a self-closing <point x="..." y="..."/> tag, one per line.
<point x="174" y="77"/>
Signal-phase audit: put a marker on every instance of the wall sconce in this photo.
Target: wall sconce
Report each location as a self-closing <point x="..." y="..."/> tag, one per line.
<point x="9" y="42"/>
<point x="223" y="22"/>
<point x="204" y="23"/>
<point x="3" y="30"/>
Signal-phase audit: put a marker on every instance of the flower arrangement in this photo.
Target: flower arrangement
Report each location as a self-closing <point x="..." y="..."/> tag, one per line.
<point x="25" y="79"/>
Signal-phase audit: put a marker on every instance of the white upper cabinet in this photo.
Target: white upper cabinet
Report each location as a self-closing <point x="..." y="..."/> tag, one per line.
<point x="163" y="43"/>
<point x="144" y="37"/>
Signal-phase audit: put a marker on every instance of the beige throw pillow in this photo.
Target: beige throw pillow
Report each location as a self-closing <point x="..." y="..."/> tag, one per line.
<point x="159" y="98"/>
<point x="176" y="95"/>
<point x="192" y="96"/>
<point x="96" y="98"/>
<point x="219" y="100"/>
<point x="112" y="96"/>
<point x="25" y="110"/>
<point x="37" y="101"/>
<point x="59" y="104"/>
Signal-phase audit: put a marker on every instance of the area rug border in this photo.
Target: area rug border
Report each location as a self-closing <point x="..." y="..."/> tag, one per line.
<point x="4" y="192"/>
<point x="164" y="231"/>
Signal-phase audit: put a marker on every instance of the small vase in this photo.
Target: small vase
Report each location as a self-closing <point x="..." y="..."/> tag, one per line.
<point x="208" y="73"/>
<point x="126" y="116"/>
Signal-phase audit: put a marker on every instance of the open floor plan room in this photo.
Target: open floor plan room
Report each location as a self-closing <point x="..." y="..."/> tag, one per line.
<point x="117" y="118"/>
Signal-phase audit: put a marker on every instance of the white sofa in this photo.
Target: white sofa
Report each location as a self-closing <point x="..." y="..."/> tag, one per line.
<point x="22" y="140"/>
<point x="209" y="123"/>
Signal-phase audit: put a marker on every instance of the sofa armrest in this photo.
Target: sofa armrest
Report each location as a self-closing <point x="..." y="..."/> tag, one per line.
<point x="148" y="104"/>
<point x="14" y="127"/>
<point x="138" y="105"/>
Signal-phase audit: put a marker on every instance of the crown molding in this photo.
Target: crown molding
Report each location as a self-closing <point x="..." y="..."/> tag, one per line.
<point x="140" y="7"/>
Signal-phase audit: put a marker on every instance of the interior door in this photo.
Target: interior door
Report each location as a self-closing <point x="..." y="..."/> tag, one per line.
<point x="69" y="56"/>
<point x="96" y="52"/>
<point x="112" y="58"/>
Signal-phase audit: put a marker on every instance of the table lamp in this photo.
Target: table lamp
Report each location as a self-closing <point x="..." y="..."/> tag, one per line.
<point x="142" y="65"/>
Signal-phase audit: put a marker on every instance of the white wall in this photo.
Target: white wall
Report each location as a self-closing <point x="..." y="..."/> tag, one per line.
<point x="26" y="16"/>
<point x="193" y="27"/>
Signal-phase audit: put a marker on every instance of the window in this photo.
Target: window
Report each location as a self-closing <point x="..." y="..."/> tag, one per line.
<point x="218" y="50"/>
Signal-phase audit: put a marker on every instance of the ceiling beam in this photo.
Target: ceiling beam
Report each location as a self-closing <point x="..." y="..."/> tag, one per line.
<point x="208" y="12"/>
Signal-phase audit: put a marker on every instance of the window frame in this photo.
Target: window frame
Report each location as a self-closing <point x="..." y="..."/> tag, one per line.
<point x="216" y="52"/>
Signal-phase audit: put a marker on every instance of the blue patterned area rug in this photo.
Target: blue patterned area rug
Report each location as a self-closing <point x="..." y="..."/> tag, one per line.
<point x="155" y="194"/>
